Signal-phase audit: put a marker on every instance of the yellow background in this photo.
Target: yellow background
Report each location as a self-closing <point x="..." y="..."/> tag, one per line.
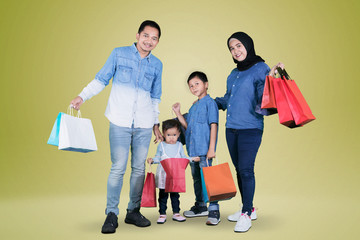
<point x="307" y="178"/>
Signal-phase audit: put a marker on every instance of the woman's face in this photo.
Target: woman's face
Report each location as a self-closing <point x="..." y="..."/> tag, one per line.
<point x="237" y="49"/>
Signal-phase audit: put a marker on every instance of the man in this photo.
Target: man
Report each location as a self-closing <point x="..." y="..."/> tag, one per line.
<point x="133" y="112"/>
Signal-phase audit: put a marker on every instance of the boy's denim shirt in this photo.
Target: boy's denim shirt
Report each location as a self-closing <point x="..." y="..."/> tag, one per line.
<point x="201" y="115"/>
<point x="136" y="87"/>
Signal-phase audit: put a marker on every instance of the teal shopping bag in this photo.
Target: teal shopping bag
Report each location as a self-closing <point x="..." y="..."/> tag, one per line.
<point x="203" y="185"/>
<point x="54" y="135"/>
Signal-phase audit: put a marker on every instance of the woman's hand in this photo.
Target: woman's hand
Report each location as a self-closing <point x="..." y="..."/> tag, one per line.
<point x="76" y="102"/>
<point x="273" y="70"/>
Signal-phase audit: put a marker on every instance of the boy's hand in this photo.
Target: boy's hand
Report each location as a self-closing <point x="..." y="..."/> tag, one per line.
<point x="150" y="160"/>
<point x="196" y="159"/>
<point x="176" y="107"/>
<point x="211" y="154"/>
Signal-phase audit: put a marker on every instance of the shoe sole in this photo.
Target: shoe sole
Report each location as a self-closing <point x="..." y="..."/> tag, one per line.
<point x="242" y="231"/>
<point x="179" y="220"/>
<point x="131" y="222"/>
<point x="197" y="215"/>
<point x="212" y="224"/>
<point x="236" y="220"/>
<point x="161" y="222"/>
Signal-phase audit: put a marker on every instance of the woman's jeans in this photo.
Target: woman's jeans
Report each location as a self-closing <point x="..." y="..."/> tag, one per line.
<point x="123" y="139"/>
<point x="243" y="146"/>
<point x="195" y="171"/>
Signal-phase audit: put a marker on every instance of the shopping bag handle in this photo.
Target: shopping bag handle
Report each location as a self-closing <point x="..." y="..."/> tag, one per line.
<point x="207" y="161"/>
<point x="70" y="111"/>
<point x="283" y="73"/>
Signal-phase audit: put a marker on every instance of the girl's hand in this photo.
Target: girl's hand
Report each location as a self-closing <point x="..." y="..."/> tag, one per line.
<point x="211" y="154"/>
<point x="273" y="70"/>
<point x="150" y="160"/>
<point x="176" y="107"/>
<point x="196" y="159"/>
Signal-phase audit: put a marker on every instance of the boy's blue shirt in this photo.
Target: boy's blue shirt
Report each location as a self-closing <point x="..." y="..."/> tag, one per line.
<point x="197" y="135"/>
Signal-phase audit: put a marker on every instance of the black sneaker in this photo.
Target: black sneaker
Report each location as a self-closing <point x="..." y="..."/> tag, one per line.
<point x="110" y="224"/>
<point x="196" y="211"/>
<point x="213" y="218"/>
<point x="136" y="218"/>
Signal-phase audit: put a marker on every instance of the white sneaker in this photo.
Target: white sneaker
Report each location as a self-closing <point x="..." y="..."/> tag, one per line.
<point x="243" y="224"/>
<point x="235" y="217"/>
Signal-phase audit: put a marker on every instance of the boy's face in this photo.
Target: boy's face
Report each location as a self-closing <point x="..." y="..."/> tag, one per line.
<point x="171" y="135"/>
<point x="198" y="87"/>
<point x="147" y="40"/>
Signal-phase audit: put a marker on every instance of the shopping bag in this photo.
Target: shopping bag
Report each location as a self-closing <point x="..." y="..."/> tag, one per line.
<point x="217" y="183"/>
<point x="175" y="174"/>
<point x="268" y="98"/>
<point x="285" y="115"/>
<point x="73" y="133"/>
<point x="148" y="198"/>
<point x="299" y="108"/>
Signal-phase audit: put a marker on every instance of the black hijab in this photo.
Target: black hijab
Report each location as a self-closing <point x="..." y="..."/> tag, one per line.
<point x="251" y="58"/>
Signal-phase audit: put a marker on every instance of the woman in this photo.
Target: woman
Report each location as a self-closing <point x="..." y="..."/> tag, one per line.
<point x="244" y="121"/>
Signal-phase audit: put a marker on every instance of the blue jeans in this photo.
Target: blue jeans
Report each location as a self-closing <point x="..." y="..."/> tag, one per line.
<point x="123" y="139"/>
<point x="243" y="146"/>
<point x="195" y="171"/>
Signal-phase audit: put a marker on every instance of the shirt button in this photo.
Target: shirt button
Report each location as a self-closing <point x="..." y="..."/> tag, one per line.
<point x="229" y="105"/>
<point x="231" y="95"/>
<point x="234" y="85"/>
<point x="237" y="77"/>
<point x="228" y="115"/>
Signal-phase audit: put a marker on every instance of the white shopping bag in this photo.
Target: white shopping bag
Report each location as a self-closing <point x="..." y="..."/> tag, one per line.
<point x="74" y="133"/>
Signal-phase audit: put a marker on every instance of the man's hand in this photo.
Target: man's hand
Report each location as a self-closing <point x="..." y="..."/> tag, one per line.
<point x="157" y="133"/>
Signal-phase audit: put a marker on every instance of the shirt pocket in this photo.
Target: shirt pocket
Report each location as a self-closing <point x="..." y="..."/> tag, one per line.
<point x="123" y="74"/>
<point x="148" y="80"/>
<point x="202" y="117"/>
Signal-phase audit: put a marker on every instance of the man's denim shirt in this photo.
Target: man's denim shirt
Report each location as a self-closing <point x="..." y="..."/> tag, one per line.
<point x="136" y="87"/>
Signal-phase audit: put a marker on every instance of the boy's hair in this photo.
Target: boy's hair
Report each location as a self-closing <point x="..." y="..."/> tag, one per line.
<point x="171" y="123"/>
<point x="200" y="75"/>
<point x="151" y="24"/>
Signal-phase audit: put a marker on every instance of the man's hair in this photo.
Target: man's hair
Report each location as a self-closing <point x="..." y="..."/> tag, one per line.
<point x="200" y="75"/>
<point x="171" y="123"/>
<point x="151" y="24"/>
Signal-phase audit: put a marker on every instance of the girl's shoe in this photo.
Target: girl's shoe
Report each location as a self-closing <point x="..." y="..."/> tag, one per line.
<point x="161" y="219"/>
<point x="234" y="217"/>
<point x="177" y="217"/>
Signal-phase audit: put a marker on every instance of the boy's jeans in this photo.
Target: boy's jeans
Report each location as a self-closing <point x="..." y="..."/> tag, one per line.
<point x="121" y="140"/>
<point x="195" y="171"/>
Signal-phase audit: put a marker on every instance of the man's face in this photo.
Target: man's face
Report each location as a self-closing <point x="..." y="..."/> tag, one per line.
<point x="147" y="40"/>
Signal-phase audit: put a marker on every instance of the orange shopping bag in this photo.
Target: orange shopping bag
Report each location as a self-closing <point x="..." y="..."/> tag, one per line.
<point x="217" y="183"/>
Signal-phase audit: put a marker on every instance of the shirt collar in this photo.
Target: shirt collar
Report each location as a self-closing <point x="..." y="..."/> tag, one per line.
<point x="204" y="98"/>
<point x="135" y="50"/>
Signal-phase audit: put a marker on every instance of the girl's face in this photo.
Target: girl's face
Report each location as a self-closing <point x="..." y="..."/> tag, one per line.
<point x="237" y="49"/>
<point x="171" y="135"/>
<point x="198" y="87"/>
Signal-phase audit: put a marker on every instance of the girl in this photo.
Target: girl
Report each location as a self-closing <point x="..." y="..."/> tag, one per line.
<point x="200" y="137"/>
<point x="244" y="125"/>
<point x="171" y="148"/>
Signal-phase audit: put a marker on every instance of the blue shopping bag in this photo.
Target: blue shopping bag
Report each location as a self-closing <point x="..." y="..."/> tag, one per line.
<point x="54" y="135"/>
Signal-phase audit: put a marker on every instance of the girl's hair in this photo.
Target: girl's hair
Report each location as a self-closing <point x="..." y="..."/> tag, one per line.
<point x="171" y="123"/>
<point x="200" y="75"/>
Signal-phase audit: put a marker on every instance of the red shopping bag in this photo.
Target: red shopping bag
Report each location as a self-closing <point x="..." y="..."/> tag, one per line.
<point x="175" y="174"/>
<point x="285" y="116"/>
<point x="297" y="103"/>
<point x="217" y="183"/>
<point x="148" y="198"/>
<point x="268" y="98"/>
